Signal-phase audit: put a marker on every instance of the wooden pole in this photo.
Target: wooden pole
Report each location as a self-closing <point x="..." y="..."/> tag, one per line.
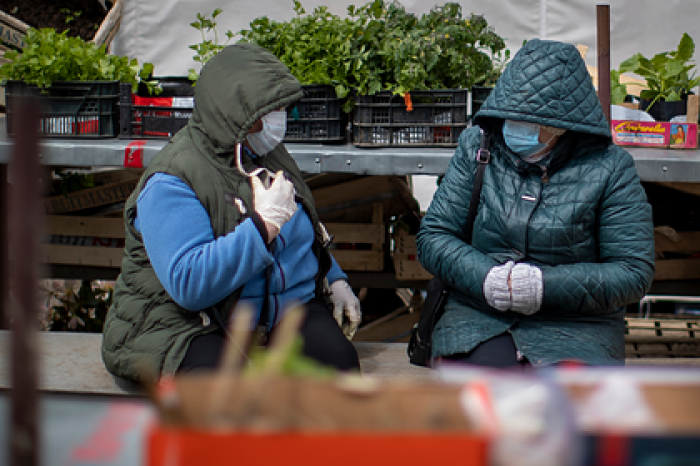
<point x="25" y="227"/>
<point x="4" y="251"/>
<point x="603" y="33"/>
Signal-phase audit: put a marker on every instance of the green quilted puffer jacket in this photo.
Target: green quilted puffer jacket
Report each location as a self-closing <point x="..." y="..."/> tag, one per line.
<point x="581" y="215"/>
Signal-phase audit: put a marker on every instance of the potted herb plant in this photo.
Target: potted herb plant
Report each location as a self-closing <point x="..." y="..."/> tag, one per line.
<point x="334" y="58"/>
<point x="208" y="47"/>
<point x="670" y="78"/>
<point x="77" y="80"/>
<point x="433" y="62"/>
<point x="381" y="50"/>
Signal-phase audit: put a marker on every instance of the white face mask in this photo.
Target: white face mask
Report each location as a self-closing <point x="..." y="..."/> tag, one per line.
<point x="272" y="133"/>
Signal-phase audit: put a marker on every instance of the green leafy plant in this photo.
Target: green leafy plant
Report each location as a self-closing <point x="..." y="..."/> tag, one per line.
<point x="206" y="49"/>
<point x="292" y="362"/>
<point x="322" y="48"/>
<point x="499" y="61"/>
<point x="50" y="56"/>
<point x="69" y="182"/>
<point x="379" y="46"/>
<point x="83" y="310"/>
<point x="442" y="50"/>
<point x="70" y="15"/>
<point x="667" y="74"/>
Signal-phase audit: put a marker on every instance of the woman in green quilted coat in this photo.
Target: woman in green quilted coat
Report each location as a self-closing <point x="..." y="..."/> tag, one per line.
<point x="563" y="236"/>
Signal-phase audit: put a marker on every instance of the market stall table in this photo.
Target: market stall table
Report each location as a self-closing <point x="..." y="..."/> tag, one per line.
<point x="680" y="167"/>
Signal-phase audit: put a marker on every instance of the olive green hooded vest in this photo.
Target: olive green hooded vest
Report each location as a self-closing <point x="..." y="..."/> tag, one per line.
<point x="145" y="329"/>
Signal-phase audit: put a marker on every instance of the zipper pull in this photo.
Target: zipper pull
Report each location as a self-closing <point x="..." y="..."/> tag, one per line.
<point x="205" y="319"/>
<point x="545" y="176"/>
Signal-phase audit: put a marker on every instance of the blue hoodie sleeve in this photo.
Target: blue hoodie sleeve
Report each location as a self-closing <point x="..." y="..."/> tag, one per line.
<point x="335" y="273"/>
<point x="196" y="269"/>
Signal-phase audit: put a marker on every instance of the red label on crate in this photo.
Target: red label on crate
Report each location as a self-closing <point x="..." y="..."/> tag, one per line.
<point x="133" y="154"/>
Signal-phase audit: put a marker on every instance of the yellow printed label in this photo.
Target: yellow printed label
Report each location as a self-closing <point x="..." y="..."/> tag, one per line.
<point x="635" y="126"/>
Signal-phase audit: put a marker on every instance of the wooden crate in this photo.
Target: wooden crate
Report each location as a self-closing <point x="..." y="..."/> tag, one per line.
<point x="112" y="187"/>
<point x="344" y="198"/>
<point x="12" y="32"/>
<point x="96" y="239"/>
<point x="97" y="242"/>
<point x="406" y="264"/>
<point x="12" y="29"/>
<point x="110" y="25"/>
<point x="662" y="338"/>
<point x="667" y="240"/>
<point x="360" y="246"/>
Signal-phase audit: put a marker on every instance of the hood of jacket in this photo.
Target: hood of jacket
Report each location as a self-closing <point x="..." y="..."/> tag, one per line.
<point x="235" y="88"/>
<point x="547" y="83"/>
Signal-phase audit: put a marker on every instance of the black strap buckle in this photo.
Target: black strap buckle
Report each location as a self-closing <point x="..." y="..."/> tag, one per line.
<point x="483" y="156"/>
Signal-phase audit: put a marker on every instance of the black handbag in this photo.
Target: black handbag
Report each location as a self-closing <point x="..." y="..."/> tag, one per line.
<point x="420" y="346"/>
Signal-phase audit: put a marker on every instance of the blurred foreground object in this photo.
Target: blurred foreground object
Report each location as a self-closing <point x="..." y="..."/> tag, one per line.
<point x="287" y="414"/>
<point x="24" y="224"/>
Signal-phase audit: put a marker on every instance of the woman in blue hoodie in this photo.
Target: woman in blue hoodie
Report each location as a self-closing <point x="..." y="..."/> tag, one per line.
<point x="223" y="217"/>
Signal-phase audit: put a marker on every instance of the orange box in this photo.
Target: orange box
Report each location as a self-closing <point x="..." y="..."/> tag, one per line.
<point x="167" y="446"/>
<point x="280" y="420"/>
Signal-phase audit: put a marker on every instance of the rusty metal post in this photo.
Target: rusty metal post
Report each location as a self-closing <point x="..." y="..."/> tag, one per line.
<point x="4" y="251"/>
<point x="603" y="48"/>
<point x="24" y="231"/>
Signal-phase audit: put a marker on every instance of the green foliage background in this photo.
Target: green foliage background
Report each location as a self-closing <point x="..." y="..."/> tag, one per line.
<point x="381" y="47"/>
<point x="668" y="74"/>
<point x="51" y="56"/>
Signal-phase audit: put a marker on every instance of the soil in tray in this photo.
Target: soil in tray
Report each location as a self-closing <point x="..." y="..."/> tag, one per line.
<point x="82" y="18"/>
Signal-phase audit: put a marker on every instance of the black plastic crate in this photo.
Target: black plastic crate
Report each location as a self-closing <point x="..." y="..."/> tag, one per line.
<point x="479" y="95"/>
<point x="151" y="121"/>
<point x="317" y="117"/>
<point x="437" y="119"/>
<point x="70" y="109"/>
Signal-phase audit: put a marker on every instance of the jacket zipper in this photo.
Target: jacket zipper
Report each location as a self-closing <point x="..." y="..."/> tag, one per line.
<point x="545" y="176"/>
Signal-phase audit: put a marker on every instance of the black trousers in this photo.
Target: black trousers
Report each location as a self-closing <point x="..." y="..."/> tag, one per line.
<point x="324" y="342"/>
<point x="499" y="351"/>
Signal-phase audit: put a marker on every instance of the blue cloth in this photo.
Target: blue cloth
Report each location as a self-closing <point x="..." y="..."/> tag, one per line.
<point x="198" y="270"/>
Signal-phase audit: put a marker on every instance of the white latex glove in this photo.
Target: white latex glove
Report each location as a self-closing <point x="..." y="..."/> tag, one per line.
<point x="346" y="307"/>
<point x="526" y="289"/>
<point x="496" y="287"/>
<point x="275" y="205"/>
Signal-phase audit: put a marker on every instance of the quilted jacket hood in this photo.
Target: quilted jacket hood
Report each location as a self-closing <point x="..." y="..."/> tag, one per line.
<point x="547" y="83"/>
<point x="239" y="85"/>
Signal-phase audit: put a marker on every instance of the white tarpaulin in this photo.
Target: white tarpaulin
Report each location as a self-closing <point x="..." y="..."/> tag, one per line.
<point x="159" y="31"/>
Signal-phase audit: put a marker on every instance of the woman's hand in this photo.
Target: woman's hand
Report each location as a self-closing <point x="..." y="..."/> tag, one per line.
<point x="346" y="307"/>
<point x="526" y="289"/>
<point x="514" y="287"/>
<point x="497" y="286"/>
<point x="275" y="205"/>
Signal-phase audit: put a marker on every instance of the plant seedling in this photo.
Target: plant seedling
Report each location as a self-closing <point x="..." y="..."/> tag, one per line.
<point x="206" y="49"/>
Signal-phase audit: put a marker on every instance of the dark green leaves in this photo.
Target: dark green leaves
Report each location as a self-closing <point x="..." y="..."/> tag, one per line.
<point x="618" y="91"/>
<point x="49" y="56"/>
<point x="667" y="74"/>
<point x="206" y="49"/>
<point x="380" y="47"/>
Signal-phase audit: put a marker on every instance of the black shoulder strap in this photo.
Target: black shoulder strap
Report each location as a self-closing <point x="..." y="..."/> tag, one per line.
<point x="483" y="157"/>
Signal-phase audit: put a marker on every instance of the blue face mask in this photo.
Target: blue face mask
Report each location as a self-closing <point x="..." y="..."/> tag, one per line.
<point x="522" y="137"/>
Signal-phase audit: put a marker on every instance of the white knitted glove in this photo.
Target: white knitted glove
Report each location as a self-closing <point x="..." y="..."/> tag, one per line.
<point x="275" y="205"/>
<point x="496" y="289"/>
<point x="526" y="289"/>
<point x="346" y="307"/>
